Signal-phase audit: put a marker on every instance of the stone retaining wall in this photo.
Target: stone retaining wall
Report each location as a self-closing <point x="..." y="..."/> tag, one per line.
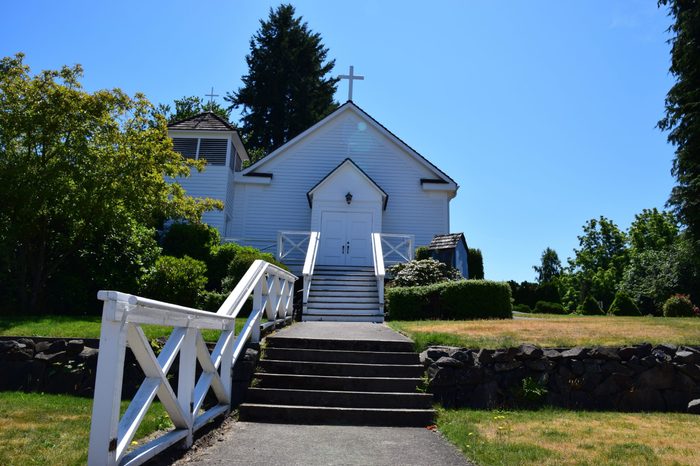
<point x="69" y="366"/>
<point x="635" y="378"/>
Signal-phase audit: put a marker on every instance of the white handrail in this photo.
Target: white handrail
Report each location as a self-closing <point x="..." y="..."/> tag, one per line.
<point x="309" y="265"/>
<point x="122" y="317"/>
<point x="378" y="260"/>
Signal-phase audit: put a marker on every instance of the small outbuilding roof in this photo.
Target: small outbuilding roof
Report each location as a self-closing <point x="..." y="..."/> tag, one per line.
<point x="207" y="121"/>
<point x="449" y="241"/>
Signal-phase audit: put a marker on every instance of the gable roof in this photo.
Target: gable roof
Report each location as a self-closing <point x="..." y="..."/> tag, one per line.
<point x="350" y="106"/>
<point x="207" y="121"/>
<point x="348" y="162"/>
<point x="449" y="241"/>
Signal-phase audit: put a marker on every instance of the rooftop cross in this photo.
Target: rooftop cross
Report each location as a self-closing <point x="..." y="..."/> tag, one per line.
<point x="211" y="96"/>
<point x="351" y="77"/>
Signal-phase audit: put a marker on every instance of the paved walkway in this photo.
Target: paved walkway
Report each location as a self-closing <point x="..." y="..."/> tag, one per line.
<point x="284" y="444"/>
<point x="248" y="443"/>
<point x="341" y="331"/>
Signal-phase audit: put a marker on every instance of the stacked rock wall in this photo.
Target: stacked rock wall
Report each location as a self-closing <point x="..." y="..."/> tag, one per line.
<point x="69" y="366"/>
<point x="635" y="378"/>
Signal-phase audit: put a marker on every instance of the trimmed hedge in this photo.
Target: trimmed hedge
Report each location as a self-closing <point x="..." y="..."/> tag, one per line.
<point x="546" y="307"/>
<point x="623" y="305"/>
<point x="522" y="308"/>
<point x="590" y="307"/>
<point x="454" y="300"/>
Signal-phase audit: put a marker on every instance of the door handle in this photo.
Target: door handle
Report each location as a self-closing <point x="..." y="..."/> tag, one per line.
<point x="348" y="247"/>
<point x="342" y="248"/>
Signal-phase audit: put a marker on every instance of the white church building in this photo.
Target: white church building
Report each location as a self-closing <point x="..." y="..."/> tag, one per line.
<point x="333" y="195"/>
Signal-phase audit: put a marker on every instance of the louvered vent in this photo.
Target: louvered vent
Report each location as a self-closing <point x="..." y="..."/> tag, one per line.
<point x="186" y="146"/>
<point x="213" y="150"/>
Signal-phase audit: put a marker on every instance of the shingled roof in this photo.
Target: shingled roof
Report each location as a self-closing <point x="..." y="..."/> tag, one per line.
<point x="447" y="241"/>
<point x="207" y="121"/>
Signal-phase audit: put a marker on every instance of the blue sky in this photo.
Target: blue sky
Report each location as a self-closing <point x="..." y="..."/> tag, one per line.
<point x="544" y="112"/>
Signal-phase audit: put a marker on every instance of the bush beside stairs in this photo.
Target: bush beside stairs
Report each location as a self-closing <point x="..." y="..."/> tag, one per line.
<point x="348" y="382"/>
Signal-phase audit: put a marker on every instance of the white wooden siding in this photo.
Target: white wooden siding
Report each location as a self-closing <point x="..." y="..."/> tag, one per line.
<point x="262" y="210"/>
<point x="209" y="183"/>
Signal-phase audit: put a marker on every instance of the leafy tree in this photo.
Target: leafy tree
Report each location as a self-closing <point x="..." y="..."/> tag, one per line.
<point x="654" y="274"/>
<point x="287" y="88"/>
<point x="653" y="230"/>
<point x="550" y="266"/>
<point x="187" y="107"/>
<point x="78" y="171"/>
<point x="682" y="112"/>
<point x="475" y="264"/>
<point x="600" y="260"/>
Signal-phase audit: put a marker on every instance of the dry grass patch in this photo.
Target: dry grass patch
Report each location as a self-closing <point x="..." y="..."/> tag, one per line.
<point x="558" y="437"/>
<point x="553" y="331"/>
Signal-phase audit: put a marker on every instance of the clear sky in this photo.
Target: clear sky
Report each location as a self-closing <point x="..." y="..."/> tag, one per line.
<point x="544" y="112"/>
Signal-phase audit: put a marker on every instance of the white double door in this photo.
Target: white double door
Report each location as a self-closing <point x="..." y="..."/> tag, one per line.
<point x="345" y="238"/>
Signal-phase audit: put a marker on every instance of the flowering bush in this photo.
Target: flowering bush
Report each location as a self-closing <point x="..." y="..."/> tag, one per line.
<point x="423" y="272"/>
<point x="679" y="305"/>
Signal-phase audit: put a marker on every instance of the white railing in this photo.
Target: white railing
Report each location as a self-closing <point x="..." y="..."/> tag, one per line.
<point x="397" y="248"/>
<point x="292" y="246"/>
<point x="378" y="261"/>
<point x="309" y="264"/>
<point x="265" y="245"/>
<point x="122" y="317"/>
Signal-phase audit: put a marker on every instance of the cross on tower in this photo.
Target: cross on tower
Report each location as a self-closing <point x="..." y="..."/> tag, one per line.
<point x="351" y="77"/>
<point x="211" y="96"/>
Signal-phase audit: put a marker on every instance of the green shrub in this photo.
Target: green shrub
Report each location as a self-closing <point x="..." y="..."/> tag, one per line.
<point x="461" y="299"/>
<point x="590" y="307"/>
<point x="679" y="305"/>
<point x="190" y="239"/>
<point x="422" y="252"/>
<point x="212" y="301"/>
<point x="219" y="261"/>
<point x="240" y="265"/>
<point x="422" y="272"/>
<point x="177" y="280"/>
<point x="475" y="264"/>
<point x="522" y="308"/>
<point x="623" y="305"/>
<point x="545" y="307"/>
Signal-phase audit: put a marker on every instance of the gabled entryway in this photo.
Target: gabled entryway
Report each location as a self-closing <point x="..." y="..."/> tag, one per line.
<point x="346" y="208"/>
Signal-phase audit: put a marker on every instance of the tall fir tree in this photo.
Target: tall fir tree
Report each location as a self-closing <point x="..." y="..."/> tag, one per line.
<point x="288" y="87"/>
<point x="682" y="115"/>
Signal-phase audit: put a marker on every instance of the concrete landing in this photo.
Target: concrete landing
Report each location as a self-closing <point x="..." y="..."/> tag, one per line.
<point x="248" y="443"/>
<point x="341" y="331"/>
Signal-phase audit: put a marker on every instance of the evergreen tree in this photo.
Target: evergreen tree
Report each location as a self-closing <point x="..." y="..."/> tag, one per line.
<point x="475" y="264"/>
<point x="682" y="118"/>
<point x="550" y="266"/>
<point x="287" y="88"/>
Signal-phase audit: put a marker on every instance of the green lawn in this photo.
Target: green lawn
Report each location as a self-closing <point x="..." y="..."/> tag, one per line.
<point x="552" y="331"/>
<point x="38" y="428"/>
<point x="581" y="438"/>
<point x="80" y="327"/>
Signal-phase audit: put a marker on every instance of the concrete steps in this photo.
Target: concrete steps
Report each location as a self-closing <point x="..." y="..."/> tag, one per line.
<point x="328" y="381"/>
<point x="343" y="294"/>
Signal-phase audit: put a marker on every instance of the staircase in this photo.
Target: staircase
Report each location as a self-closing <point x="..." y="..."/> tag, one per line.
<point x="343" y="293"/>
<point x="329" y="381"/>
